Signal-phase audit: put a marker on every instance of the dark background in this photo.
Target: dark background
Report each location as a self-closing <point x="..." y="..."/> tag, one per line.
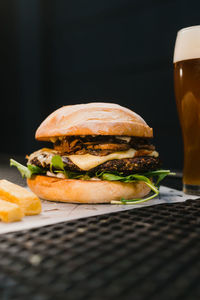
<point x="62" y="52"/>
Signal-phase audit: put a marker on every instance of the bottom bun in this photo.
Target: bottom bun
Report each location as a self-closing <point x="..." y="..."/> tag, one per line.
<point x="85" y="191"/>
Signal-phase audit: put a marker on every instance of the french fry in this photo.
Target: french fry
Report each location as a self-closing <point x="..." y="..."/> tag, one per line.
<point x="10" y="212"/>
<point x="28" y="202"/>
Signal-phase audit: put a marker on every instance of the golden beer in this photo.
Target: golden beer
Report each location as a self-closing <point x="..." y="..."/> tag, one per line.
<point x="187" y="92"/>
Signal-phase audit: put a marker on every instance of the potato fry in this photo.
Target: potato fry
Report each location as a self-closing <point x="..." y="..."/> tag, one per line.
<point x="10" y="212"/>
<point x="27" y="201"/>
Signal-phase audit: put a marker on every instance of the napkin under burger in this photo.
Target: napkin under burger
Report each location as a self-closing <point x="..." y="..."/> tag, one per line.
<point x="102" y="152"/>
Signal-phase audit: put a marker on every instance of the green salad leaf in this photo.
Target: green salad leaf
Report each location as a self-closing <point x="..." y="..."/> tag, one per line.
<point x="57" y="166"/>
<point x="159" y="175"/>
<point x="115" y="177"/>
<point x="36" y="170"/>
<point x="26" y="171"/>
<point x="57" y="163"/>
<point x="76" y="175"/>
<point x="146" y="177"/>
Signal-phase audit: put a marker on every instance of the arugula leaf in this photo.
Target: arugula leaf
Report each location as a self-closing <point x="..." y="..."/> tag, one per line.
<point x="76" y="175"/>
<point x="135" y="201"/>
<point x="57" y="163"/>
<point x="110" y="177"/>
<point x="25" y="172"/>
<point x="73" y="175"/>
<point x="35" y="169"/>
<point x="158" y="174"/>
<point x="57" y="166"/>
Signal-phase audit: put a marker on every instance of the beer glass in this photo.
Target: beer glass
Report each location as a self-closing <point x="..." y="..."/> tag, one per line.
<point x="187" y="92"/>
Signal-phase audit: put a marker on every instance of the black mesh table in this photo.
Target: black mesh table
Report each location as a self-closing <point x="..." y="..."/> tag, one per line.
<point x="146" y="253"/>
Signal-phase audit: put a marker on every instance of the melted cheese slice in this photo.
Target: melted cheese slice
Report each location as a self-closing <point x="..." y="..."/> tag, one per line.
<point x="88" y="161"/>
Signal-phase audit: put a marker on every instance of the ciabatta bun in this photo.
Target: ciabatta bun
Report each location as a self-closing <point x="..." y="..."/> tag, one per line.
<point x="85" y="191"/>
<point x="93" y="119"/>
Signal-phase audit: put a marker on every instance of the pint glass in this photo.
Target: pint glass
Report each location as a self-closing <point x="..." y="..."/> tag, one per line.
<point x="187" y="92"/>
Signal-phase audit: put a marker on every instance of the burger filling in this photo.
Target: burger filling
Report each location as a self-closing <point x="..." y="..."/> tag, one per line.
<point x="92" y="154"/>
<point x="100" y="145"/>
<point x="113" y="158"/>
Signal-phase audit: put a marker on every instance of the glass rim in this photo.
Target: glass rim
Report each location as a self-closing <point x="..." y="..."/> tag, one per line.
<point x="188" y="28"/>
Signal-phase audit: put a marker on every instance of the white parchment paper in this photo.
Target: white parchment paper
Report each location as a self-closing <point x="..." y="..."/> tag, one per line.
<point x="56" y="212"/>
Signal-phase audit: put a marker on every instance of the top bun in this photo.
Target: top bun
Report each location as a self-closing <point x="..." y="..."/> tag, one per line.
<point x="93" y="119"/>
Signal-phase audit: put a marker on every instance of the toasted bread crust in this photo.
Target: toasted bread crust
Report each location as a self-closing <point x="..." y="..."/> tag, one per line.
<point x="93" y="119"/>
<point x="85" y="191"/>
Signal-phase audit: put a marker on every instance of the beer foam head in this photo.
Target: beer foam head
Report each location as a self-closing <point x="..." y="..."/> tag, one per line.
<point x="187" y="44"/>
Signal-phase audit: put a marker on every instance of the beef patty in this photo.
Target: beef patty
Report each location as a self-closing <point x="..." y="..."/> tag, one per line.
<point x="130" y="165"/>
<point x="126" y="165"/>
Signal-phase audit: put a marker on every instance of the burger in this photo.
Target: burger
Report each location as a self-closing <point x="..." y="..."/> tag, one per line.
<point x="101" y="153"/>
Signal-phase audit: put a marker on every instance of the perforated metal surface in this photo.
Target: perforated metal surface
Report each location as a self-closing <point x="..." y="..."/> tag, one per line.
<point x="148" y="253"/>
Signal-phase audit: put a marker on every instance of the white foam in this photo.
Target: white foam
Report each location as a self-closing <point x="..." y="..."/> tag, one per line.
<point x="187" y="44"/>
